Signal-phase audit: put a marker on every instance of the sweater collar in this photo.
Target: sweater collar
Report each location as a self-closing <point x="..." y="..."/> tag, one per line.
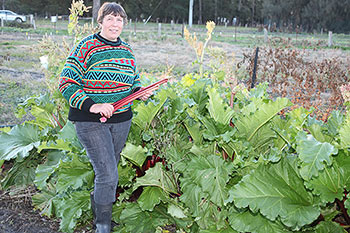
<point x="109" y="42"/>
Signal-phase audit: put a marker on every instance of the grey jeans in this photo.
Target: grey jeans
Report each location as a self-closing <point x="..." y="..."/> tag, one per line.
<point x="103" y="144"/>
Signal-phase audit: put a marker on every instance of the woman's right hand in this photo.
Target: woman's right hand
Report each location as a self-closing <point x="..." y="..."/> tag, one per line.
<point x="103" y="109"/>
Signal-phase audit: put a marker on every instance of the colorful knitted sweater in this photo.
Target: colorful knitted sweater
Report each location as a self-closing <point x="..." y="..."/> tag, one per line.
<point x="99" y="71"/>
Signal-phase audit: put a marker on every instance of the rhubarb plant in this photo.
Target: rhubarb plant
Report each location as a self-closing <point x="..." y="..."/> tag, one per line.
<point x="196" y="160"/>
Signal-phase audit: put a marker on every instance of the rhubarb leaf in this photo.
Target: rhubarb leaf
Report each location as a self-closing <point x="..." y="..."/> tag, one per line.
<point x="218" y="110"/>
<point x="74" y="174"/>
<point x="46" y="201"/>
<point x="150" y="197"/>
<point x="313" y="154"/>
<point x="71" y="209"/>
<point x="255" y="126"/>
<point x="45" y="170"/>
<point x="344" y="133"/>
<point x="22" y="173"/>
<point x="212" y="174"/>
<point x="159" y="177"/>
<point x="327" y="227"/>
<point x="19" y="141"/>
<point x="277" y="190"/>
<point x="329" y="184"/>
<point x="246" y="221"/>
<point x="192" y="195"/>
<point x="136" y="154"/>
<point x="343" y="161"/>
<point x="176" y="211"/>
<point x="137" y="220"/>
<point x="147" y="112"/>
<point x="347" y="205"/>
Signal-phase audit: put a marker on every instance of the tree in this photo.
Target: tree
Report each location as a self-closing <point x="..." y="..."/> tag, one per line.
<point x="95" y="7"/>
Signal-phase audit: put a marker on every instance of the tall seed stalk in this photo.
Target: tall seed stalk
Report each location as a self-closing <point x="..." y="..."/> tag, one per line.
<point x="199" y="46"/>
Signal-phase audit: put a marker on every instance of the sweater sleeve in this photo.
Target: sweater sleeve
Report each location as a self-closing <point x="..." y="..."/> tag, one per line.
<point x="71" y="81"/>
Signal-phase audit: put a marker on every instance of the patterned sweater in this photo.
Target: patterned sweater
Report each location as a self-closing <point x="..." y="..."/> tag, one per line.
<point x="99" y="71"/>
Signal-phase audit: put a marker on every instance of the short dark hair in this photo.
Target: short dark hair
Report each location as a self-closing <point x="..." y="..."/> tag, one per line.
<point x="113" y="8"/>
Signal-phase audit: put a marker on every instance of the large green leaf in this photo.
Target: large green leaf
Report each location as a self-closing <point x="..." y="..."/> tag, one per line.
<point x="192" y="195"/>
<point x="210" y="216"/>
<point x="71" y="209"/>
<point x="213" y="229"/>
<point x="74" y="174"/>
<point x="277" y="190"/>
<point x="195" y="132"/>
<point x="19" y="141"/>
<point x="69" y="135"/>
<point x="44" y="171"/>
<point x="329" y="184"/>
<point x="347" y="205"/>
<point x="219" y="111"/>
<point x="137" y="220"/>
<point x="176" y="211"/>
<point x="249" y="125"/>
<point x="212" y="174"/>
<point x="41" y="107"/>
<point x="58" y="144"/>
<point x="136" y="154"/>
<point x="147" y="112"/>
<point x="344" y="133"/>
<point x="22" y="173"/>
<point x="327" y="227"/>
<point x="150" y="197"/>
<point x="46" y="200"/>
<point x="126" y="174"/>
<point x="246" y="221"/>
<point x="158" y="177"/>
<point x="343" y="161"/>
<point x="313" y="154"/>
<point x="334" y="122"/>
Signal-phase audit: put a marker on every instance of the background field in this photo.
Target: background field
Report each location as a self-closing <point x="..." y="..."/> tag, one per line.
<point x="21" y="74"/>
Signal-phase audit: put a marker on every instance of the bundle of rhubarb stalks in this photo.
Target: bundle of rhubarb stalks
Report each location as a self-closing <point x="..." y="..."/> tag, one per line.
<point x="135" y="96"/>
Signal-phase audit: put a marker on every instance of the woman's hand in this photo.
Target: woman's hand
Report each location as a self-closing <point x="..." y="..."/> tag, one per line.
<point x="148" y="94"/>
<point x="103" y="109"/>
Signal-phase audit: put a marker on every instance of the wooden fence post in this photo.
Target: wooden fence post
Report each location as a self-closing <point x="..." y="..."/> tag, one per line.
<point x="266" y="38"/>
<point x="330" y="39"/>
<point x="159" y="29"/>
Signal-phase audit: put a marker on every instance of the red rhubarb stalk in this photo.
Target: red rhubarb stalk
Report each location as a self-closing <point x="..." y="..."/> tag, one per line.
<point x="135" y="96"/>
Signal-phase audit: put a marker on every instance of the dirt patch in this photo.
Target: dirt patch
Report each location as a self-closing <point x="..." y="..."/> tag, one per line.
<point x="17" y="216"/>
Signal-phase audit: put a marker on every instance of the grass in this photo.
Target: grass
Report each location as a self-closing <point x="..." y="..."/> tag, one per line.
<point x="15" y="91"/>
<point x="18" y="52"/>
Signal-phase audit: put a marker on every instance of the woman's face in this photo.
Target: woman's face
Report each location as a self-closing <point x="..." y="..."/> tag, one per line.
<point x="111" y="27"/>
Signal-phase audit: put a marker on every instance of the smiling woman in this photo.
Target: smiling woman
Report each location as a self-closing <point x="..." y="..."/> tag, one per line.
<point x="101" y="70"/>
<point x="111" y="18"/>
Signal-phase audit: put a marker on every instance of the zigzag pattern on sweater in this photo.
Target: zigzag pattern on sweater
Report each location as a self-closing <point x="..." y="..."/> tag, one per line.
<point x="105" y="72"/>
<point x="108" y="76"/>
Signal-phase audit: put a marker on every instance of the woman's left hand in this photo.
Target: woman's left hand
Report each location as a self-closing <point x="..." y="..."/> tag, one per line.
<point x="147" y="94"/>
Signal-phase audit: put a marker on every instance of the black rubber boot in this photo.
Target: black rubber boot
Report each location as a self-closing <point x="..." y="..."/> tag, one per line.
<point x="103" y="218"/>
<point x="93" y="209"/>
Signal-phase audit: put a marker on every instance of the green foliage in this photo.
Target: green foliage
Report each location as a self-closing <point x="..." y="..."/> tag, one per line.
<point x="192" y="162"/>
<point x="313" y="154"/>
<point x="278" y="177"/>
<point x="277" y="190"/>
<point x="19" y="141"/>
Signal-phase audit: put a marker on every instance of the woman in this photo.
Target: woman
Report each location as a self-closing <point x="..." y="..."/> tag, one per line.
<point x="101" y="70"/>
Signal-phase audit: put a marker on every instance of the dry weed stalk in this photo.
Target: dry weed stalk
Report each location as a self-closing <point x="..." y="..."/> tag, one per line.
<point x="307" y="84"/>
